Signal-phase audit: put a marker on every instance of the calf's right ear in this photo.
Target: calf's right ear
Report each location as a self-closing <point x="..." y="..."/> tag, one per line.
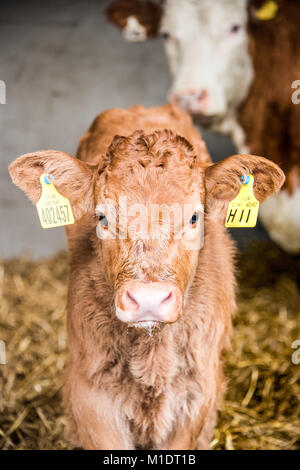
<point x="223" y="179"/>
<point x="72" y="177"/>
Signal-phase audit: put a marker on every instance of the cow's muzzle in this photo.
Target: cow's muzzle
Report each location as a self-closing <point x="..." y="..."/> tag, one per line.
<point x="193" y="101"/>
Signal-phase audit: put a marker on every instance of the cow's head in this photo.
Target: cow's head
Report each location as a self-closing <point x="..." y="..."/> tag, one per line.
<point x="207" y="49"/>
<point x="146" y="200"/>
<point x="206" y="44"/>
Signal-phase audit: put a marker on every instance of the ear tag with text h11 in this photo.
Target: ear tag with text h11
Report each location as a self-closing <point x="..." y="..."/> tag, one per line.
<point x="243" y="209"/>
<point x="54" y="209"/>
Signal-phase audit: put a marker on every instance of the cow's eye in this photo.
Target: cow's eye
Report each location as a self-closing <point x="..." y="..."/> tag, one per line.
<point x="194" y="219"/>
<point x="103" y="220"/>
<point x="235" y="28"/>
<point x="165" y="36"/>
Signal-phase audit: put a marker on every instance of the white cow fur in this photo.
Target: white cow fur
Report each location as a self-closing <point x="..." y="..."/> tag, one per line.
<point x="280" y="214"/>
<point x="134" y="31"/>
<point x="204" y="54"/>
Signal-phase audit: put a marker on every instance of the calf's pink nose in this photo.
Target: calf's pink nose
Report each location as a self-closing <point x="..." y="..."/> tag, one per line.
<point x="139" y="301"/>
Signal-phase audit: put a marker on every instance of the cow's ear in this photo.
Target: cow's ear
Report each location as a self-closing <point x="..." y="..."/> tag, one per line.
<point x="223" y="179"/>
<point x="137" y="19"/>
<point x="72" y="177"/>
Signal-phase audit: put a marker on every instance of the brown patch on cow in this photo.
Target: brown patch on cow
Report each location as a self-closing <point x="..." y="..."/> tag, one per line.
<point x="147" y="13"/>
<point x="270" y="119"/>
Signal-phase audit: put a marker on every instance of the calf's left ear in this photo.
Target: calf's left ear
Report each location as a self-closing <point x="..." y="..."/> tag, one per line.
<point x="72" y="177"/>
<point x="223" y="179"/>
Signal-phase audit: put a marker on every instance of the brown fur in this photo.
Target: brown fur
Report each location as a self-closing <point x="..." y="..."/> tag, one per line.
<point x="270" y="119"/>
<point x="125" y="389"/>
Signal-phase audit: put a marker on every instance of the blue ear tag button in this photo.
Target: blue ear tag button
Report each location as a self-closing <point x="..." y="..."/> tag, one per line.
<point x="48" y="179"/>
<point x="245" y="179"/>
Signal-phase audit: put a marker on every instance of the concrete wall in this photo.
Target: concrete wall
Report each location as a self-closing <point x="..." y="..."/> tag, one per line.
<point x="62" y="64"/>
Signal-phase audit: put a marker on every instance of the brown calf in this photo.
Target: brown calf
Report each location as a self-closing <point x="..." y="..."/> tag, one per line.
<point x="127" y="388"/>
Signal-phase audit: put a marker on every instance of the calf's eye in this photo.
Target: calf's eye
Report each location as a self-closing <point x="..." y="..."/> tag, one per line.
<point x="103" y="220"/>
<point x="194" y="219"/>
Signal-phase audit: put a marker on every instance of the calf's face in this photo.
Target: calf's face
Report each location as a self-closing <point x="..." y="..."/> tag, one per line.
<point x="148" y="196"/>
<point x="150" y="202"/>
<point x="206" y="45"/>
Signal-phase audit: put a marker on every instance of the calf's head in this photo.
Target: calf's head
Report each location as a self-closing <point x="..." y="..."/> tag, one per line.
<point x="146" y="200"/>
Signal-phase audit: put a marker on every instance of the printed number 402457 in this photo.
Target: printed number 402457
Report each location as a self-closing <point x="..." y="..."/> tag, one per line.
<point x="55" y="215"/>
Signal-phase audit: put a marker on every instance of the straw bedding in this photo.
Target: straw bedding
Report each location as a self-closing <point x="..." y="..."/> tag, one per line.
<point x="262" y="405"/>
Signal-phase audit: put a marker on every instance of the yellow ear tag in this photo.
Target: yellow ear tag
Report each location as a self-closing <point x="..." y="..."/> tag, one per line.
<point x="54" y="209"/>
<point x="243" y="209"/>
<point x="267" y="11"/>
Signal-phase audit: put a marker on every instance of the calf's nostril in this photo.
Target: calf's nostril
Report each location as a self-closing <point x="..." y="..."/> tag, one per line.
<point x="167" y="298"/>
<point x="131" y="299"/>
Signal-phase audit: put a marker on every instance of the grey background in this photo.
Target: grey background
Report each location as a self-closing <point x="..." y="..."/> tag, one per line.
<point x="63" y="64"/>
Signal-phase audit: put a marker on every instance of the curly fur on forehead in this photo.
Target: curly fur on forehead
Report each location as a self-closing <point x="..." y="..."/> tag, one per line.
<point x="159" y="149"/>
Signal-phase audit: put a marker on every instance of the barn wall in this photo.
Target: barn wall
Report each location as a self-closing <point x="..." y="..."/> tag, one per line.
<point x="62" y="64"/>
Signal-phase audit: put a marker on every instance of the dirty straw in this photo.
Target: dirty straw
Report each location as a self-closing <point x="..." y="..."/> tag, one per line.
<point x="262" y="406"/>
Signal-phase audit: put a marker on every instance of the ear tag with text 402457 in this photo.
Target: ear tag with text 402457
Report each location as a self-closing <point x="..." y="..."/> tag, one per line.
<point x="54" y="209"/>
<point x="243" y="209"/>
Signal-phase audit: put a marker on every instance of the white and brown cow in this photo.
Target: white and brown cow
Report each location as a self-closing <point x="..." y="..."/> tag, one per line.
<point x="235" y="66"/>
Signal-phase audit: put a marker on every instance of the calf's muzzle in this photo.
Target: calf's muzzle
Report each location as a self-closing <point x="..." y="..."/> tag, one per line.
<point x="141" y="301"/>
